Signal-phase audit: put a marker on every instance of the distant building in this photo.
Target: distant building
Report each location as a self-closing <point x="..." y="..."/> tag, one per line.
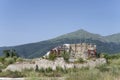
<point x="81" y="50"/>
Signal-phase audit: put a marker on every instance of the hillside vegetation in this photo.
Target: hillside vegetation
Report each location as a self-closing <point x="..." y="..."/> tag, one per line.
<point x="107" y="44"/>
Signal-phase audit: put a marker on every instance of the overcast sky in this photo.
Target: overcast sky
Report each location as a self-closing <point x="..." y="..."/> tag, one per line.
<point x="27" y="21"/>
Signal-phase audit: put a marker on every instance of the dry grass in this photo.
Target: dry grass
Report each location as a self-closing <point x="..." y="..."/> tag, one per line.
<point x="109" y="71"/>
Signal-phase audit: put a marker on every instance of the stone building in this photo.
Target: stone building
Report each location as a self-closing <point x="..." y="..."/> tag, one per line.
<point x="81" y="50"/>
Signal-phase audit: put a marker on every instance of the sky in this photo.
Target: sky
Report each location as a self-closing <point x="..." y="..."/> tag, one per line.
<point x="28" y="21"/>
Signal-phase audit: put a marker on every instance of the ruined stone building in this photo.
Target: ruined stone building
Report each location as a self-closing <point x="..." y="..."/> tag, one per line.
<point x="81" y="50"/>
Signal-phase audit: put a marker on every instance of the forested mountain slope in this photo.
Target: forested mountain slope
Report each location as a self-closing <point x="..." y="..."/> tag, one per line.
<point x="108" y="44"/>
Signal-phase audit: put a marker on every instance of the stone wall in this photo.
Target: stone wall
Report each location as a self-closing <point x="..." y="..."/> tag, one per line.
<point x="43" y="63"/>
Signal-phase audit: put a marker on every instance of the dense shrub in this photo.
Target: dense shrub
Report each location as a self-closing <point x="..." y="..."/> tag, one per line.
<point x="80" y="60"/>
<point x="49" y="69"/>
<point x="66" y="56"/>
<point x="41" y="70"/>
<point x="52" y="56"/>
<point x="9" y="61"/>
<point x="2" y="59"/>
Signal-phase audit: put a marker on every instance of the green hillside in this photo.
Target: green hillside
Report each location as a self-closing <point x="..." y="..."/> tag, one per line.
<point x="113" y="38"/>
<point x="108" y="44"/>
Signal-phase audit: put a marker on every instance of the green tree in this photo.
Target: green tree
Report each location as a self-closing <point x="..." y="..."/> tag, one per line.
<point x="10" y="53"/>
<point x="98" y="55"/>
<point x="6" y="53"/>
<point x="13" y="53"/>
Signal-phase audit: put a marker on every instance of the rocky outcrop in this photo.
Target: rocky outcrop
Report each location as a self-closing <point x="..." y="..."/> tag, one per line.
<point x="43" y="63"/>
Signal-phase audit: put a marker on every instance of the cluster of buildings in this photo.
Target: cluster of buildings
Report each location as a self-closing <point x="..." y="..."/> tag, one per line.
<point x="76" y="51"/>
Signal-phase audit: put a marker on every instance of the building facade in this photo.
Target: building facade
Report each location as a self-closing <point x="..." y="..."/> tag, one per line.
<point x="81" y="50"/>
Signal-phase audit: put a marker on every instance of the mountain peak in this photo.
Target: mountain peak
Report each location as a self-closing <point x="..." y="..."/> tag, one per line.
<point x="81" y="30"/>
<point x="80" y="34"/>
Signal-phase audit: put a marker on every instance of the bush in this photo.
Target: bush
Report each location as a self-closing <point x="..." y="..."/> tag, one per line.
<point x="42" y="70"/>
<point x="2" y="59"/>
<point x="114" y="56"/>
<point x="103" y="68"/>
<point x="60" y="69"/>
<point x="9" y="61"/>
<point x="15" y="57"/>
<point x="52" y="56"/>
<point x="19" y="60"/>
<point x="2" y="66"/>
<point x="49" y="69"/>
<point x="80" y="60"/>
<point x="65" y="56"/>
